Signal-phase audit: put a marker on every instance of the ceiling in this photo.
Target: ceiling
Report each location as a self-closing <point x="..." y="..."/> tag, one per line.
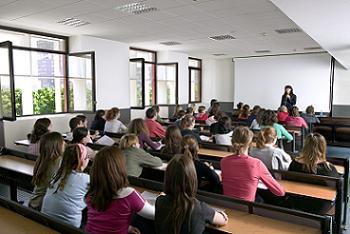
<point x="189" y="22"/>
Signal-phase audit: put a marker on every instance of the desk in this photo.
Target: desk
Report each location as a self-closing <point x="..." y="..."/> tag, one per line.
<point x="17" y="164"/>
<point x="340" y="169"/>
<point x="11" y="222"/>
<point x="214" y="153"/>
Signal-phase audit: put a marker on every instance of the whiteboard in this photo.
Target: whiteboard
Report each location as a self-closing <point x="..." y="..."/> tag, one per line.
<point x="261" y="80"/>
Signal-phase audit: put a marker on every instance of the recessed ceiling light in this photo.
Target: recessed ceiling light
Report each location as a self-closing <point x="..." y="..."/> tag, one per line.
<point x="74" y="22"/>
<point x="222" y="37"/>
<point x="264" y="34"/>
<point x="136" y="8"/>
<point x="262" y="51"/>
<point x="170" y="43"/>
<point x="218" y="54"/>
<point x="288" y="30"/>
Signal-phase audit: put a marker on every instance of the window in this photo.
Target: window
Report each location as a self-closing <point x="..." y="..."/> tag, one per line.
<point x="142" y="90"/>
<point x="195" y="79"/>
<point x="42" y="84"/>
<point x="167" y="80"/>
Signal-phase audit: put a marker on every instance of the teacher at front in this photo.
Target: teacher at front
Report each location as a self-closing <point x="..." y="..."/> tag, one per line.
<point x="289" y="99"/>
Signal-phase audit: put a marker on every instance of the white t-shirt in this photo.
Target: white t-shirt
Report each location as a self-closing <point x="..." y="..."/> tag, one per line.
<point x="115" y="126"/>
<point x="223" y="139"/>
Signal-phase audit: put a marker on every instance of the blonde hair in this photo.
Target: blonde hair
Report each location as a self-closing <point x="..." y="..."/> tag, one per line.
<point x="241" y="139"/>
<point x="314" y="152"/>
<point x="128" y="141"/>
<point x="266" y="136"/>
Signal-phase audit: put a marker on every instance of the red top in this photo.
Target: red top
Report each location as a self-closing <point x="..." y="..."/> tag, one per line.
<point x="202" y="116"/>
<point x="282" y="116"/>
<point x="296" y="122"/>
<point x="241" y="174"/>
<point x="154" y="128"/>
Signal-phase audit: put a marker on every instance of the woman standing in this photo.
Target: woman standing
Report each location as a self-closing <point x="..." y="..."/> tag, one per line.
<point x="289" y="99"/>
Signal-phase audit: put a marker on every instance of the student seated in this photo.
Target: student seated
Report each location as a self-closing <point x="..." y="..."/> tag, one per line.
<point x="180" y="116"/>
<point x="74" y="123"/>
<point x="84" y="120"/>
<point x="295" y="120"/>
<point x="309" y="116"/>
<point x="187" y="125"/>
<point x="269" y="118"/>
<point x="212" y="101"/>
<point x="99" y="121"/>
<point x="190" y="111"/>
<point x="244" y="114"/>
<point x="254" y="114"/>
<point x="65" y="197"/>
<point x="238" y="110"/>
<point x="204" y="171"/>
<point x="223" y="132"/>
<point x="282" y="114"/>
<point x="172" y="141"/>
<point x="241" y="173"/>
<point x="176" y="112"/>
<point x="46" y="165"/>
<point x="266" y="150"/>
<point x="214" y="127"/>
<point x="215" y="109"/>
<point x="41" y="127"/>
<point x="179" y="210"/>
<point x="255" y="125"/>
<point x="159" y="119"/>
<point x="154" y="128"/>
<point x="113" y="124"/>
<point x="138" y="127"/>
<point x="202" y="115"/>
<point x="136" y="158"/>
<point x="313" y="159"/>
<point x="110" y="201"/>
<point x="82" y="136"/>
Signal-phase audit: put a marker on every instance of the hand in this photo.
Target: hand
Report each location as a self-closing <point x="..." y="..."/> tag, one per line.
<point x="288" y="96"/>
<point x="133" y="230"/>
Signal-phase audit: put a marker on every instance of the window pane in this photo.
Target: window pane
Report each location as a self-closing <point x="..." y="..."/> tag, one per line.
<point x="80" y="67"/>
<point x="166" y="84"/>
<point x="194" y="63"/>
<point x="47" y="43"/>
<point x="147" y="56"/>
<point x="149" y="84"/>
<point x="6" y="102"/>
<point x="136" y="83"/>
<point x="17" y="38"/>
<point x="195" y="85"/>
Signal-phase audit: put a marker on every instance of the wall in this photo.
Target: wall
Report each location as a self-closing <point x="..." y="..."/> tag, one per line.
<point x="341" y="97"/>
<point x="261" y="80"/>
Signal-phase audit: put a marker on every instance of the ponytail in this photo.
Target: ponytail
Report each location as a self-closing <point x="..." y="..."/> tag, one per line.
<point x="241" y="139"/>
<point x="266" y="136"/>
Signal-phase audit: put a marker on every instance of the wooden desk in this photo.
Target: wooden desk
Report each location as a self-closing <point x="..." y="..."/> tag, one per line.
<point x="14" y="163"/>
<point x="214" y="153"/>
<point x="340" y="169"/>
<point x="11" y="222"/>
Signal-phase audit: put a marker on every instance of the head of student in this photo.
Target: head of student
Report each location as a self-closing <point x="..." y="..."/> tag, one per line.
<point x="288" y="90"/>
<point x="215" y="109"/>
<point x="295" y="111"/>
<point x="151" y="113"/>
<point x="212" y="101"/>
<point x="180" y="183"/>
<point x="113" y="113"/>
<point x="225" y="123"/>
<point x="310" y="110"/>
<point x="239" y="105"/>
<point x="129" y="141"/>
<point x="81" y="135"/>
<point x="283" y="108"/>
<point x="188" y="122"/>
<point x="157" y="108"/>
<point x="201" y="109"/>
<point x="189" y="111"/>
<point x="51" y="148"/>
<point x="268" y="118"/>
<point x="189" y="146"/>
<point x="75" y="158"/>
<point x="137" y="127"/>
<point x="172" y="139"/>
<point x="314" y="152"/>
<point x="180" y="114"/>
<point x="256" y="110"/>
<point x="75" y="123"/>
<point x="84" y="119"/>
<point x="177" y="109"/>
<point x="107" y="177"/>
<point x="41" y="126"/>
<point x="99" y="114"/>
<point x="266" y="136"/>
<point x="241" y="139"/>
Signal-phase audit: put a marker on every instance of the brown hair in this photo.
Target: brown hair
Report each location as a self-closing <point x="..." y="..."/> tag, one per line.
<point x="127" y="141"/>
<point x="180" y="183"/>
<point x="189" y="146"/>
<point x="241" y="139"/>
<point x="172" y="140"/>
<point x="137" y="126"/>
<point x="310" y="110"/>
<point x="215" y="109"/>
<point x="266" y="136"/>
<point x="256" y="109"/>
<point x="50" y="150"/>
<point x="39" y="129"/>
<point x="295" y="112"/>
<point x="245" y="112"/>
<point x="314" y="152"/>
<point x="187" y="121"/>
<point x="112" y="113"/>
<point x="189" y="110"/>
<point x="177" y="109"/>
<point x="201" y="109"/>
<point x="268" y="118"/>
<point x="107" y="177"/>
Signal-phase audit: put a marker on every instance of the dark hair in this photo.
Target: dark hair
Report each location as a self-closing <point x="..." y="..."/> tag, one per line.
<point x="268" y="118"/>
<point x="177" y="109"/>
<point x="310" y="110"/>
<point x="212" y="101"/>
<point x="99" y="114"/>
<point x="189" y="147"/>
<point x="189" y="110"/>
<point x="224" y="125"/>
<point x="107" y="177"/>
<point x="82" y="117"/>
<point x="239" y="105"/>
<point x="137" y="126"/>
<point x="288" y="87"/>
<point x="112" y="113"/>
<point x="214" y="109"/>
<point x="172" y="140"/>
<point x="180" y="114"/>
<point x="50" y="149"/>
<point x="201" y="109"/>
<point x="180" y="183"/>
<point x="156" y="107"/>
<point x="187" y="121"/>
<point x="79" y="134"/>
<point x="295" y="112"/>
<point x="245" y="112"/>
<point x="74" y="122"/>
<point x="150" y="113"/>
<point x="39" y="129"/>
<point x="256" y="109"/>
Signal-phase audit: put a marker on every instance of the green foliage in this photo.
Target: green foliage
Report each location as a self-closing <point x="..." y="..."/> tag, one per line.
<point x="7" y="104"/>
<point x="44" y="101"/>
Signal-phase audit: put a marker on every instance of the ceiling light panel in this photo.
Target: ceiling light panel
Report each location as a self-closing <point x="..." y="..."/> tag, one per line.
<point x="136" y="8"/>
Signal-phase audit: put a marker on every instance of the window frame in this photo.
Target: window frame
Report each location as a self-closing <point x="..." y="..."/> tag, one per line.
<point x="199" y="69"/>
<point x="176" y="84"/>
<point x="142" y="80"/>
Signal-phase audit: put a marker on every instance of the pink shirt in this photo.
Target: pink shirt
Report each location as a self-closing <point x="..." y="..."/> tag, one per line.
<point x="155" y="129"/>
<point x="117" y="217"/>
<point x="241" y="174"/>
<point x="202" y="116"/>
<point x="282" y="116"/>
<point x="296" y="122"/>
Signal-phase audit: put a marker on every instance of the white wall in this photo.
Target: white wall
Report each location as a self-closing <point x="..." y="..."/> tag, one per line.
<point x="341" y="95"/>
<point x="261" y="80"/>
<point x="112" y="69"/>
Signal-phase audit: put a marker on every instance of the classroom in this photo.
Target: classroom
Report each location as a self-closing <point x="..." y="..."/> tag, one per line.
<point x="174" y="116"/>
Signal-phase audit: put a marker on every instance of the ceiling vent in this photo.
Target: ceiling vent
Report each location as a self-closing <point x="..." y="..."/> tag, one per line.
<point x="313" y="48"/>
<point x="288" y="30"/>
<point x="170" y="43"/>
<point x="262" y="51"/>
<point x="136" y="8"/>
<point x="74" y="22"/>
<point x="222" y="37"/>
<point x="219" y="54"/>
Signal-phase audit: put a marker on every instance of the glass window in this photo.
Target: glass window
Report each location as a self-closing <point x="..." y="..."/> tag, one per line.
<point x="137" y="70"/>
<point x="148" y="56"/>
<point x="167" y="83"/>
<point x="194" y="62"/>
<point x="195" y="77"/>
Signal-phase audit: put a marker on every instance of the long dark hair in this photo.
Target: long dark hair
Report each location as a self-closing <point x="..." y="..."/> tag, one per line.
<point x="107" y="177"/>
<point x="99" y="114"/>
<point x="180" y="184"/>
<point x="172" y="140"/>
<point x="79" y="134"/>
<point x="291" y="90"/>
<point x="51" y="146"/>
<point x="268" y="118"/>
<point x="40" y="128"/>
